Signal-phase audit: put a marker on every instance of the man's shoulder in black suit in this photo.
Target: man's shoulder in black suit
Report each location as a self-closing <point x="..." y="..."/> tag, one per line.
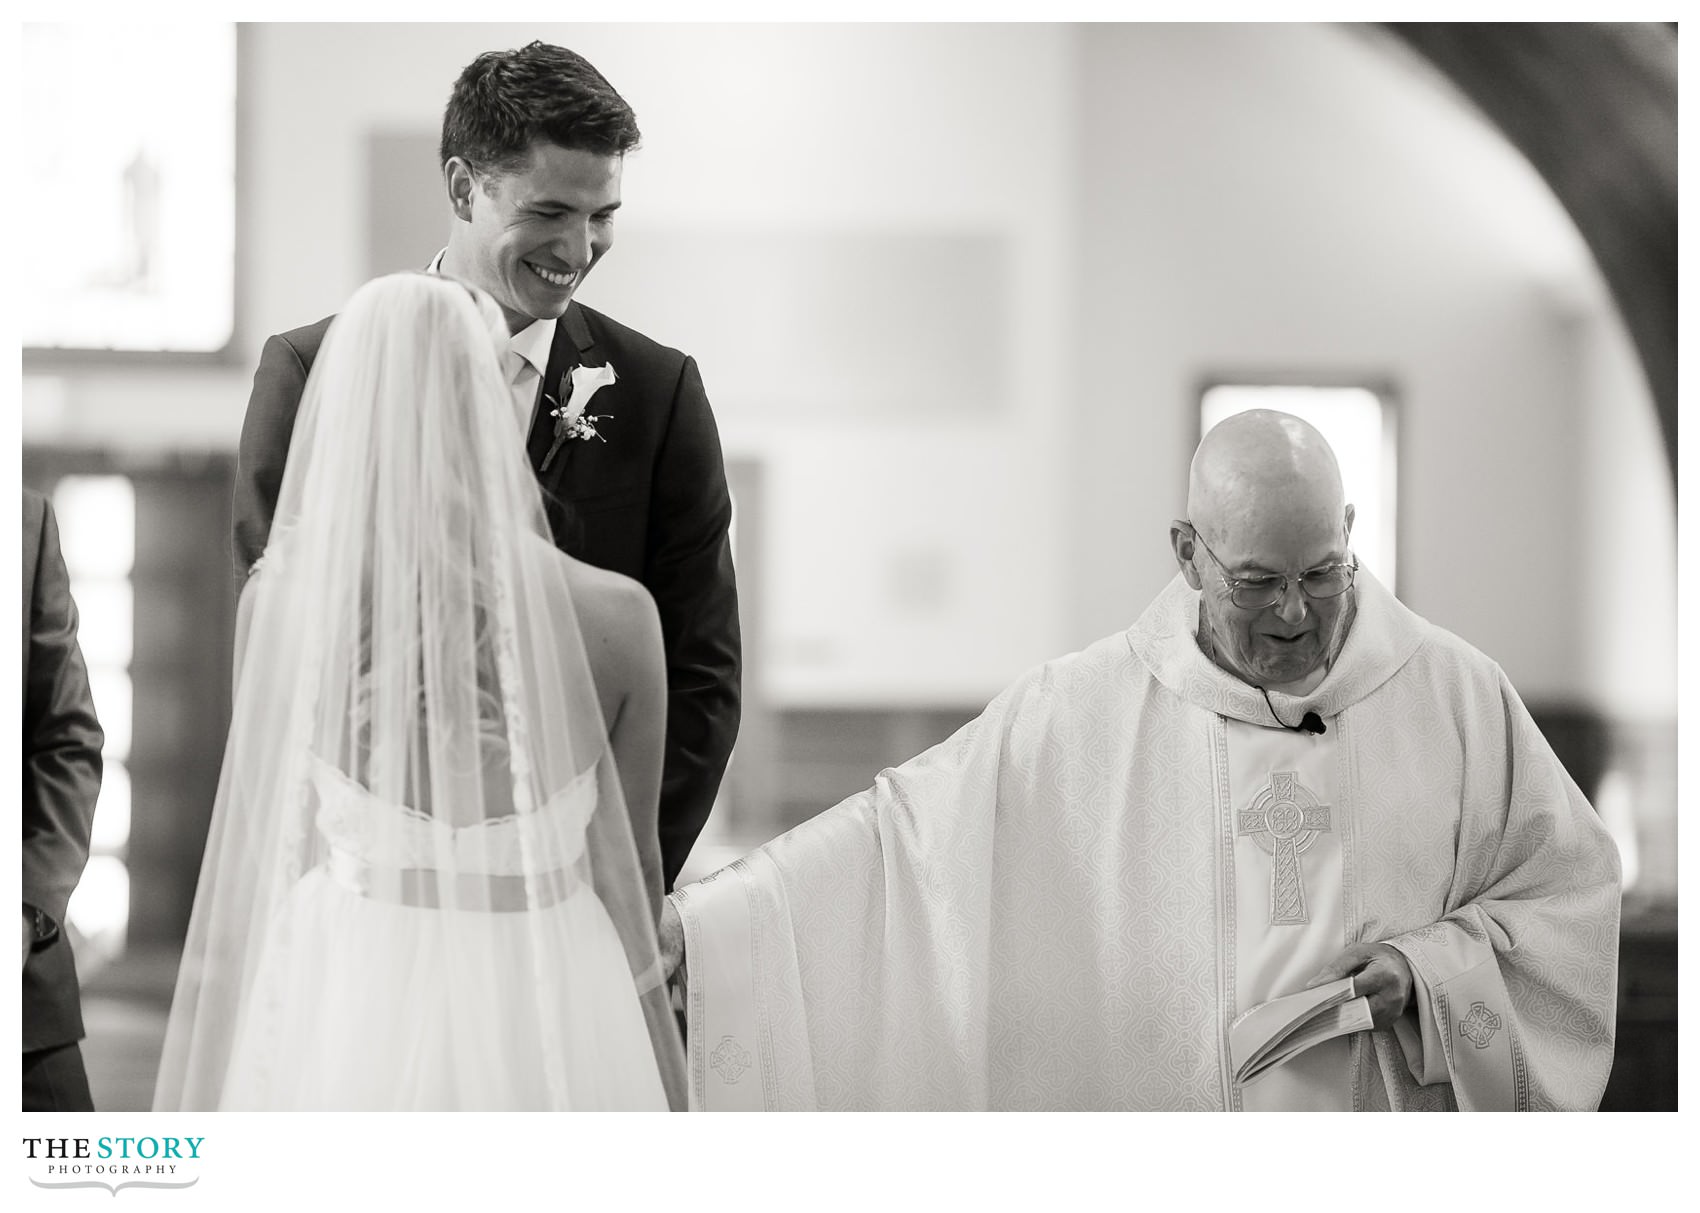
<point x="307" y="339"/>
<point x="285" y="361"/>
<point x="626" y="345"/>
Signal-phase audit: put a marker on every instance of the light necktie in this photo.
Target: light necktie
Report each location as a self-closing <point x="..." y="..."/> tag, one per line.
<point x="522" y="381"/>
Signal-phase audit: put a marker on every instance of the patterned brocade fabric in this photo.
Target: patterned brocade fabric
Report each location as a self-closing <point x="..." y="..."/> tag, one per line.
<point x="1038" y="913"/>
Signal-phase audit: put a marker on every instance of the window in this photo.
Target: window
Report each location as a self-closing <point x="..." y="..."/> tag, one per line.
<point x="1358" y="422"/>
<point x="129" y="135"/>
<point x="97" y="533"/>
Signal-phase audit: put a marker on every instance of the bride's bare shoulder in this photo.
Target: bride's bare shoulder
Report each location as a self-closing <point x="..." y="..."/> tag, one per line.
<point x="605" y="593"/>
<point x="615" y="613"/>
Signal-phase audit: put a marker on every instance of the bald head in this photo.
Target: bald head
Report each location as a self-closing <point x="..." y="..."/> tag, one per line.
<point x="1266" y="499"/>
<point x="1262" y="467"/>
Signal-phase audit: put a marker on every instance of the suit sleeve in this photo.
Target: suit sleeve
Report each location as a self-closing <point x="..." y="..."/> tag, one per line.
<point x="62" y="739"/>
<point x="689" y="573"/>
<point x="264" y="447"/>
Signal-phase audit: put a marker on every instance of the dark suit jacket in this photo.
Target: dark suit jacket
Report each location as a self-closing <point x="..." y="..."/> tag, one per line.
<point x="62" y="741"/>
<point x="650" y="502"/>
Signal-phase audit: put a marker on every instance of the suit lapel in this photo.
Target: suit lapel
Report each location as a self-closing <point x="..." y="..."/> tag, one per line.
<point x="574" y="323"/>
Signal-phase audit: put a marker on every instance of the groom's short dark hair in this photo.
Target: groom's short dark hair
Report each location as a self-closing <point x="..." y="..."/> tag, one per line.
<point x="507" y="100"/>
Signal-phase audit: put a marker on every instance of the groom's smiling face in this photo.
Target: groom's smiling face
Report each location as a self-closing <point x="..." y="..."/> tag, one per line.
<point x="529" y="237"/>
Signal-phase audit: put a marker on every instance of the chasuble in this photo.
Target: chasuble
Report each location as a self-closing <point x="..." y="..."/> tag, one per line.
<point x="1067" y="903"/>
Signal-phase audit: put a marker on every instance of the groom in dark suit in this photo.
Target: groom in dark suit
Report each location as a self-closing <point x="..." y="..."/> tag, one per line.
<point x="62" y="741"/>
<point x="533" y="145"/>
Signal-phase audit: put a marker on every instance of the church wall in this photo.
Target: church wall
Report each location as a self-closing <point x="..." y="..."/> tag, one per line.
<point x="1626" y="588"/>
<point x="1152" y="204"/>
<point x="904" y="402"/>
<point x="1307" y="199"/>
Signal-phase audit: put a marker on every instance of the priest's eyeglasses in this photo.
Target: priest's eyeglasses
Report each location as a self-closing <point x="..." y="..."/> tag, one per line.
<point x="1261" y="592"/>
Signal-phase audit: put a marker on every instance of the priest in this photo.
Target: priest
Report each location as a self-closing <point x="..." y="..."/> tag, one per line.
<point x="1279" y="776"/>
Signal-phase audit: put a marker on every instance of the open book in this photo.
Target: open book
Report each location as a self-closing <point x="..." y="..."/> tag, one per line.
<point x="1273" y="1031"/>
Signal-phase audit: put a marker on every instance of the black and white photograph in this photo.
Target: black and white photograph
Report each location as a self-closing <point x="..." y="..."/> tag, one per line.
<point x="889" y="566"/>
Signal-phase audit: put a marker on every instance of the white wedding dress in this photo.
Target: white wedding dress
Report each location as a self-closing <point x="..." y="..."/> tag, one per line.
<point x="354" y="1007"/>
<point x="424" y="886"/>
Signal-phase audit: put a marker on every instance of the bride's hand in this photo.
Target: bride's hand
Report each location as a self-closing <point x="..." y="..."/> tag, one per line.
<point x="670" y="939"/>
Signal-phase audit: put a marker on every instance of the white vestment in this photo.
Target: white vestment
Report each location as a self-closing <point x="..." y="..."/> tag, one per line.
<point x="1066" y="904"/>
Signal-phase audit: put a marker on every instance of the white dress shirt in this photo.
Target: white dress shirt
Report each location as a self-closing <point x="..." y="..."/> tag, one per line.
<point x="524" y="361"/>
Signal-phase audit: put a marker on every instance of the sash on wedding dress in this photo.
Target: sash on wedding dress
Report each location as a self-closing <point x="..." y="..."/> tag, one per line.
<point x="425" y="888"/>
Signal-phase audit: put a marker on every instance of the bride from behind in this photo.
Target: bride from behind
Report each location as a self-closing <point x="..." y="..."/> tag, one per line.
<point x="432" y="872"/>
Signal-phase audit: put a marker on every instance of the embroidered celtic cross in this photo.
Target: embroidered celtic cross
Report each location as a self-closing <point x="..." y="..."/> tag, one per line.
<point x="1284" y="820"/>
<point x="729" y="1059"/>
<point x="1479" y="1026"/>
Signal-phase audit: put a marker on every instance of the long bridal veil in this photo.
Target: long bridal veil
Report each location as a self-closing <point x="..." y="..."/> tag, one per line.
<point x="422" y="885"/>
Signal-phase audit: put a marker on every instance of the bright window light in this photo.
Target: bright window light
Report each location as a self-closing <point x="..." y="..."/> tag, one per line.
<point x="100" y="906"/>
<point x="129" y="132"/>
<point x="111" y="832"/>
<point x="97" y="534"/>
<point x="106" y="612"/>
<point x="97" y="525"/>
<point x="112" y="697"/>
<point x="1358" y="424"/>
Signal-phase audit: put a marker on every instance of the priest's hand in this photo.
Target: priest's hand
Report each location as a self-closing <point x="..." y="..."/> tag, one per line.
<point x="670" y="933"/>
<point x="1379" y="973"/>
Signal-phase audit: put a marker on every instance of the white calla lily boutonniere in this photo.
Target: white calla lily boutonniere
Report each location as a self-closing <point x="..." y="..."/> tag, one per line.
<point x="571" y="418"/>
